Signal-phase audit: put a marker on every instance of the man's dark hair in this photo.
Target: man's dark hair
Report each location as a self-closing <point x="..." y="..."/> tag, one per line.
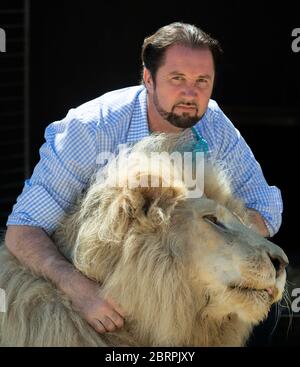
<point x="155" y="46"/>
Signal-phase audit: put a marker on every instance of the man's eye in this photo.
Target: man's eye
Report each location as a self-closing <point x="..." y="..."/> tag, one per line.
<point x="202" y="82"/>
<point x="177" y="78"/>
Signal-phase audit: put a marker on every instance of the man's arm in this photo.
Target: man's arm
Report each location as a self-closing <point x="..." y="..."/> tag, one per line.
<point x="257" y="223"/>
<point x="68" y="159"/>
<point x="33" y="248"/>
<point x="247" y="179"/>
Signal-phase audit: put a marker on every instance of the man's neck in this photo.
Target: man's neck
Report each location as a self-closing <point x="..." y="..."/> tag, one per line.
<point x="157" y="123"/>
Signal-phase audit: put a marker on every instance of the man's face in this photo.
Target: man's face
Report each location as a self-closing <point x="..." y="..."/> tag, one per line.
<point x="183" y="85"/>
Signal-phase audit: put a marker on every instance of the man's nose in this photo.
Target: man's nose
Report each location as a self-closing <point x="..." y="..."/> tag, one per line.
<point x="190" y="90"/>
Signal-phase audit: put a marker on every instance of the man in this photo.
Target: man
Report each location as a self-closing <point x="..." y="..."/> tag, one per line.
<point x="178" y="78"/>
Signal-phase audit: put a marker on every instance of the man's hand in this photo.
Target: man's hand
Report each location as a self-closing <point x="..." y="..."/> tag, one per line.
<point x="102" y="314"/>
<point x="258" y="223"/>
<point x="33" y="248"/>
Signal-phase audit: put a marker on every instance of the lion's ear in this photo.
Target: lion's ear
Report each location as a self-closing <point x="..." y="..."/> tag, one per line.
<point x="159" y="197"/>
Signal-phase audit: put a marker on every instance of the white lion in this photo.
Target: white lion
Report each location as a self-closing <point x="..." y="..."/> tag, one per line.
<point x="188" y="272"/>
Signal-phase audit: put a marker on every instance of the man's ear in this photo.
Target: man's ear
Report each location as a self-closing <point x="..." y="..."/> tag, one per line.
<point x="148" y="80"/>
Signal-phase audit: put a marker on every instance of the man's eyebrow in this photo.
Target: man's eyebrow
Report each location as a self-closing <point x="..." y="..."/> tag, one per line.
<point x="176" y="73"/>
<point x="204" y="76"/>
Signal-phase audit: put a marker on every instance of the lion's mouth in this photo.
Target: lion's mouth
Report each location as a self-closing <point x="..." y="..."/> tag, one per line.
<point x="270" y="291"/>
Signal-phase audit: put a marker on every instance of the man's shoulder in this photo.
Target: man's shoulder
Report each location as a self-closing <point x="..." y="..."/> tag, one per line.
<point x="211" y="115"/>
<point x="215" y="123"/>
<point x="116" y="103"/>
<point x="122" y="96"/>
<point x="215" y="115"/>
<point x="213" y="107"/>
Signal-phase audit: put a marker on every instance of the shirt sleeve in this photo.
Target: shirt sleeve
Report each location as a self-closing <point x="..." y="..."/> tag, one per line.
<point x="248" y="181"/>
<point x="67" y="161"/>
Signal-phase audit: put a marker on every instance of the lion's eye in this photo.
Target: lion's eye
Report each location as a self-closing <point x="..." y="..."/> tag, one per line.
<point x="214" y="220"/>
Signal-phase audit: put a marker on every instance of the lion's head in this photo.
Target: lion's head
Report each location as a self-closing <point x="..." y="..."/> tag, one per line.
<point x="188" y="271"/>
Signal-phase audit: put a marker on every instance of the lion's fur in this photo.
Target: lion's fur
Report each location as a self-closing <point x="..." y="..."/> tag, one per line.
<point x="131" y="241"/>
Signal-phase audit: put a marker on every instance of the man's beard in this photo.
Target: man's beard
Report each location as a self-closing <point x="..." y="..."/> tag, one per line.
<point x="182" y="121"/>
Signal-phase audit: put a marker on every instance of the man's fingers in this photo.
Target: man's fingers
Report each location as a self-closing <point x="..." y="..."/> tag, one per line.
<point x="107" y="315"/>
<point x="113" y="314"/>
<point x="116" y="307"/>
<point x="117" y="319"/>
<point x="108" y="324"/>
<point x="99" y="327"/>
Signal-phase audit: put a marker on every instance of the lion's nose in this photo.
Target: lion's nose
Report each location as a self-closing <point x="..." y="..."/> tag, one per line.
<point x="279" y="263"/>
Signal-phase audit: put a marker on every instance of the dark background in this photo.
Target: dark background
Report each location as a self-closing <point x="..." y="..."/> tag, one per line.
<point x="61" y="54"/>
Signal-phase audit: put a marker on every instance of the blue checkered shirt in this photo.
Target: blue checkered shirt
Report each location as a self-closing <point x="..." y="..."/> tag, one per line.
<point x="68" y="158"/>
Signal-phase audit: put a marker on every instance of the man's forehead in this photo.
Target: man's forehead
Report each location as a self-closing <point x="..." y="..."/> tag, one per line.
<point x="179" y="58"/>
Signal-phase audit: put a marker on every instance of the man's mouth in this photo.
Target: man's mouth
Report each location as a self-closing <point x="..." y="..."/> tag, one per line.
<point x="187" y="107"/>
